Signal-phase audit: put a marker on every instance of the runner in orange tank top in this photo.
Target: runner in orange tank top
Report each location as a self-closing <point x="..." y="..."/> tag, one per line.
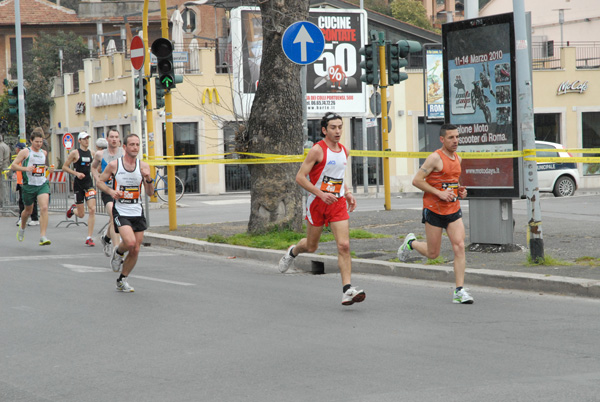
<point x="439" y="178"/>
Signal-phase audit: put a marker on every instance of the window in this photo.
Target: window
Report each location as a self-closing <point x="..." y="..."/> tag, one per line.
<point x="189" y="20"/>
<point x="374" y="165"/>
<point x="546" y="154"/>
<point x="185" y="139"/>
<point x="547" y="127"/>
<point x="26" y="46"/>
<point x="431" y="141"/>
<point x="237" y="177"/>
<point x="590" y="128"/>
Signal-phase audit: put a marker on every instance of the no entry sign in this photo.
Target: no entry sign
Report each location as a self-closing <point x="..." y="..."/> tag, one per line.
<point x="68" y="140"/>
<point x="137" y="53"/>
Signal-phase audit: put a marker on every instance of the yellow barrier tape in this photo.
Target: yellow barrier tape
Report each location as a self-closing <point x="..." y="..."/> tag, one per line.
<point x="256" y="158"/>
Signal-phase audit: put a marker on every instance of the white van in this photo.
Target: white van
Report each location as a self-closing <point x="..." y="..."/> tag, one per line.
<point x="562" y="179"/>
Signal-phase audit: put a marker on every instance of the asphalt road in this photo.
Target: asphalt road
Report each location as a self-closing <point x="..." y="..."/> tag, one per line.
<point x="200" y="327"/>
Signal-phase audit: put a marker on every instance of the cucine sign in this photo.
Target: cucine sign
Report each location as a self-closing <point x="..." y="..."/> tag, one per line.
<point x="574" y="86"/>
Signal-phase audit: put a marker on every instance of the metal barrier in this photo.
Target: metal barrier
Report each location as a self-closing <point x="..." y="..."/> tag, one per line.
<point x="9" y="202"/>
<point x="61" y="196"/>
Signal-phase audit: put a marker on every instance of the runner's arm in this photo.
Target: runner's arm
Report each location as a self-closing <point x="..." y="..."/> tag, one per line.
<point x="148" y="182"/>
<point x="111" y="168"/>
<point x="73" y="156"/>
<point x="17" y="163"/>
<point x="96" y="165"/>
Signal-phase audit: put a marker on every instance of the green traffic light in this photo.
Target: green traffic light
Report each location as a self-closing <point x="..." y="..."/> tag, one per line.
<point x="166" y="81"/>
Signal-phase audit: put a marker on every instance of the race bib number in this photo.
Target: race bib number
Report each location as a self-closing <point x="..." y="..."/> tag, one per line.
<point x="453" y="187"/>
<point x="130" y="195"/>
<point x="331" y="185"/>
<point x="90" y="194"/>
<point x="38" y="170"/>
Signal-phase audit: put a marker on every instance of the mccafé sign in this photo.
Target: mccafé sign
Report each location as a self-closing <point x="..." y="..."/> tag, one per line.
<point x="574" y="86"/>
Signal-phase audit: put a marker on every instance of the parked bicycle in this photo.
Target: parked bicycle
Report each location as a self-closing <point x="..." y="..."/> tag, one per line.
<point x="161" y="186"/>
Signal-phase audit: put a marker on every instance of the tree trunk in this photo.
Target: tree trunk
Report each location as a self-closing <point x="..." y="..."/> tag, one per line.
<point x="275" y="124"/>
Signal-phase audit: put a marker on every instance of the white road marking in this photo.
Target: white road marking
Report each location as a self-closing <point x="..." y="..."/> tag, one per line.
<point x="71" y="256"/>
<point x="227" y="202"/>
<point x="162" y="280"/>
<point x="84" y="269"/>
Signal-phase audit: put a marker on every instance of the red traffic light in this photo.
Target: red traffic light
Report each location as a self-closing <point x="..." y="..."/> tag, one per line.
<point x="162" y="47"/>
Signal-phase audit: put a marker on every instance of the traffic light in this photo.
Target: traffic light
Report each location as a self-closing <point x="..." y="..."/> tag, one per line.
<point x="159" y="92"/>
<point x="404" y="48"/>
<point x="162" y="48"/>
<point x="139" y="98"/>
<point x="392" y="62"/>
<point x="370" y="64"/>
<point x="13" y="100"/>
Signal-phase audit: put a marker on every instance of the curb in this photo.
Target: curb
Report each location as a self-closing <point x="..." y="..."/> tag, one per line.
<point x="319" y="264"/>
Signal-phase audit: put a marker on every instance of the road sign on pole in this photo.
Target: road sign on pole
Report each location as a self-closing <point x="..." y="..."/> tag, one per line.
<point x="303" y="42"/>
<point x="68" y="141"/>
<point x="138" y="53"/>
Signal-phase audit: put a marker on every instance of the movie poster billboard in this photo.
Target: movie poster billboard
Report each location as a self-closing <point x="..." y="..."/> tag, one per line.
<point x="332" y="82"/>
<point x="479" y="61"/>
<point x="434" y="83"/>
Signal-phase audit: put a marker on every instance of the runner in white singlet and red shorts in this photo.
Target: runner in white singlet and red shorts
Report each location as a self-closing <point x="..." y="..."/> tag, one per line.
<point x="328" y="203"/>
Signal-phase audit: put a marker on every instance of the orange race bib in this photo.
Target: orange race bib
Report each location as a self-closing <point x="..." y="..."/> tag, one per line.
<point x="453" y="187"/>
<point x="130" y="195"/>
<point x="38" y="170"/>
<point x="331" y="185"/>
<point x="90" y="194"/>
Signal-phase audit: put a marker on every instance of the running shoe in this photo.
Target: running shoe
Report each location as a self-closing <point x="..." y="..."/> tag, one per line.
<point x="20" y="234"/>
<point x="70" y="210"/>
<point x="19" y="222"/>
<point x="44" y="241"/>
<point x="352" y="296"/>
<point x="462" y="297"/>
<point x="286" y="261"/>
<point x="116" y="261"/>
<point x="89" y="242"/>
<point x="123" y="286"/>
<point x="33" y="223"/>
<point x="405" y="249"/>
<point x="106" y="246"/>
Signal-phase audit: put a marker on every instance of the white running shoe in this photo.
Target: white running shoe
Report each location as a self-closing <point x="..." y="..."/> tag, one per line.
<point x="33" y="223"/>
<point x="352" y="296"/>
<point x="116" y="262"/>
<point x="462" y="297"/>
<point x="286" y="261"/>
<point x="44" y="241"/>
<point x="19" y="222"/>
<point x="20" y="234"/>
<point x="106" y="246"/>
<point x="404" y="250"/>
<point x="123" y="286"/>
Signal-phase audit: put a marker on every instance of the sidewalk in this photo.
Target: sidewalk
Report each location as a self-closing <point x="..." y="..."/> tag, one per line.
<point x="564" y="240"/>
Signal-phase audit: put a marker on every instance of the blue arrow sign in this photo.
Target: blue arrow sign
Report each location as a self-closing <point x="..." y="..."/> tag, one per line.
<point x="303" y="42"/>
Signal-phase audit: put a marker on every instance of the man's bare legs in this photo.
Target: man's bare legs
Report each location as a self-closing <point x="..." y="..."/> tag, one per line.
<point x="341" y="232"/>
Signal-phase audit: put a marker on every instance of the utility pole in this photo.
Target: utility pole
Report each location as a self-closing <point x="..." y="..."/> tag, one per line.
<point x="21" y="89"/>
<point x="525" y="110"/>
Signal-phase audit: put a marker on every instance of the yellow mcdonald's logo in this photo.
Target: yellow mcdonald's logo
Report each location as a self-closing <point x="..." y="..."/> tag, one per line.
<point x="207" y="92"/>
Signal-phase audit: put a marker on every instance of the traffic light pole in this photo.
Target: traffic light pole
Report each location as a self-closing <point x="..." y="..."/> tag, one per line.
<point x="385" y="146"/>
<point x="149" y="113"/>
<point x="164" y="23"/>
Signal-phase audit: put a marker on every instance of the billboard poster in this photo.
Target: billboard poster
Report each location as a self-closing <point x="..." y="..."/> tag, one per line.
<point x="434" y="89"/>
<point x="332" y="81"/>
<point x="479" y="85"/>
